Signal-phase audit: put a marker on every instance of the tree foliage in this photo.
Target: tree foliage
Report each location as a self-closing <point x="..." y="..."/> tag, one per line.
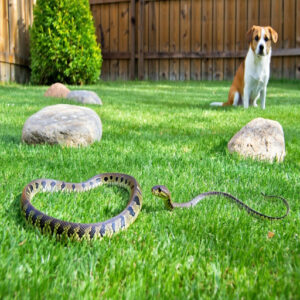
<point x="63" y="43"/>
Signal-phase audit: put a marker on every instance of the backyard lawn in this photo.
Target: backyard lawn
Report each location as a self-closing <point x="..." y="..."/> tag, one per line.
<point x="160" y="133"/>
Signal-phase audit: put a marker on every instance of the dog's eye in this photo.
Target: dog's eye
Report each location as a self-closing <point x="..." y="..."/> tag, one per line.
<point x="256" y="38"/>
<point x="266" y="38"/>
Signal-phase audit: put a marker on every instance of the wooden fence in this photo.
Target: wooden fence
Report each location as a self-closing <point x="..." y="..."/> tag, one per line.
<point x="15" y="18"/>
<point x="191" y="39"/>
<point x="165" y="39"/>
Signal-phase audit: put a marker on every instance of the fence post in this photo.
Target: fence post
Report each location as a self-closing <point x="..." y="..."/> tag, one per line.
<point x="141" y="40"/>
<point x="132" y="40"/>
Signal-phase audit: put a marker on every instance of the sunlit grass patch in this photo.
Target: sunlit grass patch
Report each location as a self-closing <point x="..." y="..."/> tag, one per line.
<point x="160" y="133"/>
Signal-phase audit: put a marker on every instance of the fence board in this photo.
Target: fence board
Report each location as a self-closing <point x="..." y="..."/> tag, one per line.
<point x="4" y="31"/>
<point x="96" y="16"/>
<point x="105" y="39"/>
<point x="123" y="39"/>
<point x="132" y="22"/>
<point x="12" y="20"/>
<point x="154" y="38"/>
<point x="289" y="37"/>
<point x="253" y="12"/>
<point x="276" y="23"/>
<point x="264" y="12"/>
<point x="196" y="42"/>
<point x="218" y="38"/>
<point x="15" y="18"/>
<point x="146" y="40"/>
<point x="174" y="38"/>
<point x="185" y="36"/>
<point x="113" y="40"/>
<point x="4" y="71"/>
<point x="141" y="40"/>
<point x="229" y="37"/>
<point x="23" y="42"/>
<point x="241" y="29"/>
<point x="164" y="38"/>
<point x="207" y="9"/>
<point x="298" y="38"/>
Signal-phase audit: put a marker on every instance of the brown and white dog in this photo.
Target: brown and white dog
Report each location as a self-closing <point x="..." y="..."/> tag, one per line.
<point x="251" y="79"/>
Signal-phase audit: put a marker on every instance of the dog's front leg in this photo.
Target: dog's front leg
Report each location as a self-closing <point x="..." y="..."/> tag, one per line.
<point x="263" y="97"/>
<point x="246" y="97"/>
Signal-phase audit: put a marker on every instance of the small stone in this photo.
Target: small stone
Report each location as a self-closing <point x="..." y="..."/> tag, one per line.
<point x="261" y="139"/>
<point x="63" y="124"/>
<point x="84" y="97"/>
<point x="57" y="90"/>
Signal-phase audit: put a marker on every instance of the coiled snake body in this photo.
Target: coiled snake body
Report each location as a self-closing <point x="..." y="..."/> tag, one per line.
<point x="80" y="231"/>
<point x="163" y="192"/>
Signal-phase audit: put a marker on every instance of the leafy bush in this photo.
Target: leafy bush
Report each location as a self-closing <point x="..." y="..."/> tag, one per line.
<point x="63" y="43"/>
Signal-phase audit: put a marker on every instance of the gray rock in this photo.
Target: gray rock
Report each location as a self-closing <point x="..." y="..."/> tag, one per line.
<point x="63" y="124"/>
<point x="261" y="139"/>
<point x="57" y="90"/>
<point x="84" y="97"/>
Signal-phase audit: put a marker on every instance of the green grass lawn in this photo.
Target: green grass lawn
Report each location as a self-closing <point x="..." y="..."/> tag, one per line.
<point x="160" y="133"/>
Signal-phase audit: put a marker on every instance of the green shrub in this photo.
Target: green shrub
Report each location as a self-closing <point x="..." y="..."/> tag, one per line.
<point x="63" y="43"/>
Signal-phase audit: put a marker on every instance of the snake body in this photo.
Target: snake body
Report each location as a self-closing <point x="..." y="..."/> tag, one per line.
<point x="163" y="192"/>
<point x="89" y="231"/>
<point x="80" y="231"/>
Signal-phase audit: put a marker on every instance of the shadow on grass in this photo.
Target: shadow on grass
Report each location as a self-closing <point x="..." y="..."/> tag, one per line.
<point x="289" y="84"/>
<point x="10" y="139"/>
<point x="15" y="211"/>
<point x="19" y="220"/>
<point x="220" y="148"/>
<point x="220" y="108"/>
<point x="151" y="209"/>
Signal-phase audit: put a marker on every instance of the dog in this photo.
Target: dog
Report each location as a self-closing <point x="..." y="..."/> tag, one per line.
<point x="251" y="79"/>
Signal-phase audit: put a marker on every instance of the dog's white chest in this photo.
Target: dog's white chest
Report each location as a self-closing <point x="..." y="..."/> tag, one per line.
<point x="257" y="72"/>
<point x="256" y="82"/>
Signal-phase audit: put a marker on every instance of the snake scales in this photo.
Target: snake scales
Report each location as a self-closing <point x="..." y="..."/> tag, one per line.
<point x="80" y="231"/>
<point x="89" y="231"/>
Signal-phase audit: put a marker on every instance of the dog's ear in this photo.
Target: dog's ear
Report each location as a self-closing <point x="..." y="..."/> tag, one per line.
<point x="274" y="34"/>
<point x="249" y="34"/>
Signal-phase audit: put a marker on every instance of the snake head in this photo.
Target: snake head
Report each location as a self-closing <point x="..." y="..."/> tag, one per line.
<point x="162" y="192"/>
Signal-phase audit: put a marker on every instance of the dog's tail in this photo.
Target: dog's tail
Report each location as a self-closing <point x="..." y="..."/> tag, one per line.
<point x="234" y="98"/>
<point x="216" y="104"/>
